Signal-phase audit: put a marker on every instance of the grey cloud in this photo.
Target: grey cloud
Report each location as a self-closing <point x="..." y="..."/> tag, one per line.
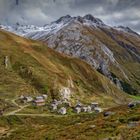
<point x="39" y="12"/>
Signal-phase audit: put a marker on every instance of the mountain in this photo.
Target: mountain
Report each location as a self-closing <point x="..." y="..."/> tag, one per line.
<point x="31" y="68"/>
<point x="72" y="62"/>
<point x="112" y="51"/>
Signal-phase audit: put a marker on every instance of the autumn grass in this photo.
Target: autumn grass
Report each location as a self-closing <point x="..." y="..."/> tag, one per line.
<point x="82" y="126"/>
<point x="35" y="66"/>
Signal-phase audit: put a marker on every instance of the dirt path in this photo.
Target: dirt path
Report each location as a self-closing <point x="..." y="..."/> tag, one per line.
<point x="40" y="115"/>
<point x="17" y="110"/>
<point x="14" y="102"/>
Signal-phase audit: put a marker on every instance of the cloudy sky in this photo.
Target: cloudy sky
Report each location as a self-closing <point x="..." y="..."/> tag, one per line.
<point x="40" y="12"/>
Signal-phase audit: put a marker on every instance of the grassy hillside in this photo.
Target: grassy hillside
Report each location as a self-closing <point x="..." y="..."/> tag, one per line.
<point x="31" y="68"/>
<point x="122" y="44"/>
<point x="122" y="125"/>
<point x="35" y="69"/>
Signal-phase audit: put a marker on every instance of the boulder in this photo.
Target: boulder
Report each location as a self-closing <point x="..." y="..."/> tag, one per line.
<point x="108" y="113"/>
<point x="131" y="105"/>
<point x="65" y="93"/>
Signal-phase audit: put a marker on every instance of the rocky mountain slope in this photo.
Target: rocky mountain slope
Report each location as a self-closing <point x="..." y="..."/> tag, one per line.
<point x="113" y="51"/>
<point x="30" y="67"/>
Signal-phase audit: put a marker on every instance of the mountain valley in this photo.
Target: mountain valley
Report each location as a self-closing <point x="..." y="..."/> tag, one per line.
<point x="73" y="79"/>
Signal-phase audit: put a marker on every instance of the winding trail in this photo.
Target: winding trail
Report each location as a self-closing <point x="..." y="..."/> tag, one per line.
<point x="40" y="115"/>
<point x="17" y="110"/>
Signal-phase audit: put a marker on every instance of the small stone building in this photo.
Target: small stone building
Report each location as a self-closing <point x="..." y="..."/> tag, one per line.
<point x="45" y="96"/>
<point x="39" y="98"/>
<point x="62" y="111"/>
<point x="94" y="105"/>
<point x="84" y="109"/>
<point x="89" y="109"/>
<point x="98" y="109"/>
<point x="26" y="99"/>
<point x="77" y="110"/>
<point x="39" y="102"/>
<point x="54" y="106"/>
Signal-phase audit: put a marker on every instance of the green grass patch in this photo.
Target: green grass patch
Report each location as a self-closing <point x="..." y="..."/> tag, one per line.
<point x="135" y="97"/>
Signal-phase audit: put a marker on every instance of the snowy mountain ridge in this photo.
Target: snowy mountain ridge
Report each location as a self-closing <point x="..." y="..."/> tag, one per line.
<point x="29" y="30"/>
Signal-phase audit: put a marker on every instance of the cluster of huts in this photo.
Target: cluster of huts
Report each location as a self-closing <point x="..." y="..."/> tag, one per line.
<point x="93" y="107"/>
<point x="37" y="101"/>
<point x="78" y="108"/>
<point x="61" y="107"/>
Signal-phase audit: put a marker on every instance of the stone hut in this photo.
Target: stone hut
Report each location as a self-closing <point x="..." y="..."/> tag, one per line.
<point x="53" y="106"/>
<point x="84" y="109"/>
<point x="98" y="109"/>
<point x="89" y="109"/>
<point x="77" y="110"/>
<point x="79" y="104"/>
<point x="45" y="96"/>
<point x="26" y="99"/>
<point x="40" y="102"/>
<point x="62" y="111"/>
<point x="94" y="104"/>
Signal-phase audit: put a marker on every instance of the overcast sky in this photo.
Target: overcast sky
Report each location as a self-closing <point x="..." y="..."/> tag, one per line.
<point x="40" y="12"/>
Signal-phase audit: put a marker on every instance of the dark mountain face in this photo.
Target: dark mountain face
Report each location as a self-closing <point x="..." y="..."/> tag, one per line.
<point x="93" y="19"/>
<point x="64" y="19"/>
